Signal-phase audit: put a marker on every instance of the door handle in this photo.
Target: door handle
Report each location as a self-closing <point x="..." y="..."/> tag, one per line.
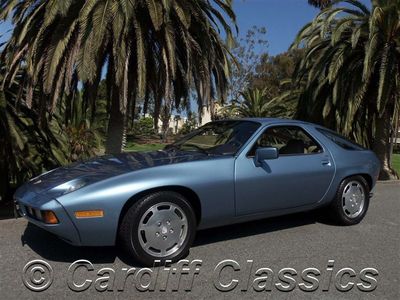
<point x="326" y="162"/>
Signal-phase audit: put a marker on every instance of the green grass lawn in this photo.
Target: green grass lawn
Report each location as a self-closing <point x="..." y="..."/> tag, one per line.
<point x="131" y="146"/>
<point x="396" y="162"/>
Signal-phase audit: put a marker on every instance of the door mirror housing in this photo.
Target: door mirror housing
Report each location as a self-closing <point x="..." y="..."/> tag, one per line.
<point x="267" y="153"/>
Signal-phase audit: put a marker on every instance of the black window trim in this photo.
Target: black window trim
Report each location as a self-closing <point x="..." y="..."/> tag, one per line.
<point x="323" y="131"/>
<point x="248" y="154"/>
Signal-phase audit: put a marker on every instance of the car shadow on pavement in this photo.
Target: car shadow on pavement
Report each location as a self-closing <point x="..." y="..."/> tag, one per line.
<point x="262" y="226"/>
<point x="51" y="248"/>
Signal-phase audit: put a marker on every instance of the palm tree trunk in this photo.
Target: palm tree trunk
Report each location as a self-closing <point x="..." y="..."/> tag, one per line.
<point x="382" y="147"/>
<point x="4" y="149"/>
<point x="156" y="115"/>
<point x="4" y="169"/>
<point x="395" y="131"/>
<point x="89" y="98"/>
<point x="116" y="132"/>
<point x="165" y="125"/>
<point x="4" y="178"/>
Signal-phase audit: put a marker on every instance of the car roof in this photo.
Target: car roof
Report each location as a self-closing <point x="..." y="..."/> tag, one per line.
<point x="265" y="121"/>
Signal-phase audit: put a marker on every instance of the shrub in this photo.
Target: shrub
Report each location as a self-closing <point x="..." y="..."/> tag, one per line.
<point x="144" y="126"/>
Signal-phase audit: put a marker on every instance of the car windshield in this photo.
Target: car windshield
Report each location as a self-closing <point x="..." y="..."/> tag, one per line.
<point x="217" y="138"/>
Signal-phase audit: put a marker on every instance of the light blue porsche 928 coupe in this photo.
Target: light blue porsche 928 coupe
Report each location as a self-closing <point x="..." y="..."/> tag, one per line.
<point x="224" y="172"/>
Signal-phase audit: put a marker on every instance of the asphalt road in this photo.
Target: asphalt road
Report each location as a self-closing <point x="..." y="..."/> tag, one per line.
<point x="299" y="242"/>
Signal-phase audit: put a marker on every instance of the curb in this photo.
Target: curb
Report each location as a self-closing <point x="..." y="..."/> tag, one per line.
<point x="388" y="181"/>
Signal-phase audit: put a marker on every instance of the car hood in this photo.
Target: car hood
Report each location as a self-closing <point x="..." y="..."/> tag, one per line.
<point x="104" y="167"/>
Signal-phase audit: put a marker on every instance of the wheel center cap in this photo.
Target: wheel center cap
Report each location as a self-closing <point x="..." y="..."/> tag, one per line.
<point x="164" y="230"/>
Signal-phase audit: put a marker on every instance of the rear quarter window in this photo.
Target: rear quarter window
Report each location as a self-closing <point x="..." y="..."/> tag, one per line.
<point x="341" y="141"/>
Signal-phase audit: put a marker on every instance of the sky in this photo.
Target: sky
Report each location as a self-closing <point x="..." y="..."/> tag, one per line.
<point x="5" y="31"/>
<point x="282" y="18"/>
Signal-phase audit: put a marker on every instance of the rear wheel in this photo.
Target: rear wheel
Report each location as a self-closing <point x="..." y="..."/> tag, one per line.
<point x="160" y="226"/>
<point x="351" y="201"/>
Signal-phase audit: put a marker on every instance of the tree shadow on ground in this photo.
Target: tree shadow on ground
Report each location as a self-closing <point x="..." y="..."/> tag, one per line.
<point x="6" y="210"/>
<point x="51" y="248"/>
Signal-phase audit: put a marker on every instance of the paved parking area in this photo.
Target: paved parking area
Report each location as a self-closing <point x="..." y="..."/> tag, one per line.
<point x="297" y="242"/>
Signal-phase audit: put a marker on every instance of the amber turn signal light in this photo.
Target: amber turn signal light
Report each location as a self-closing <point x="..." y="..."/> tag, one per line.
<point x="89" y="214"/>
<point x="49" y="217"/>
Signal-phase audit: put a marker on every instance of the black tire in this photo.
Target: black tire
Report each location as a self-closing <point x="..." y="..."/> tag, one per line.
<point x="336" y="209"/>
<point x="129" y="228"/>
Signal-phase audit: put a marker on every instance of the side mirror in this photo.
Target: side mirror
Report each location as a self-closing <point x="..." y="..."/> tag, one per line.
<point x="264" y="154"/>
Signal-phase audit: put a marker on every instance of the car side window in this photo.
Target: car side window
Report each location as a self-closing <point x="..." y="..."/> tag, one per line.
<point x="289" y="140"/>
<point x="341" y="140"/>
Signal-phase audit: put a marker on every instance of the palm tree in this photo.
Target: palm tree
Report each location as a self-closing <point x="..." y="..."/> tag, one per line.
<point x="255" y="103"/>
<point x="149" y="49"/>
<point x="350" y="73"/>
<point x="26" y="150"/>
<point x="320" y="3"/>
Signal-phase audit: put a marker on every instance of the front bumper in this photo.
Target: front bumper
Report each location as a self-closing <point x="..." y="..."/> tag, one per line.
<point x="65" y="229"/>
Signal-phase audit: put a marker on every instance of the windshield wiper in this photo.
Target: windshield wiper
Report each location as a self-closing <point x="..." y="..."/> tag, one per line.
<point x="194" y="146"/>
<point x="171" y="147"/>
<point x="202" y="150"/>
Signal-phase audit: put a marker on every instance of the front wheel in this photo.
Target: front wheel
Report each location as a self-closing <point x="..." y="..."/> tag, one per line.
<point x="351" y="201"/>
<point x="160" y="226"/>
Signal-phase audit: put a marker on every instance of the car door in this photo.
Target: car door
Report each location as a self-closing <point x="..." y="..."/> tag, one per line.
<point x="300" y="176"/>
